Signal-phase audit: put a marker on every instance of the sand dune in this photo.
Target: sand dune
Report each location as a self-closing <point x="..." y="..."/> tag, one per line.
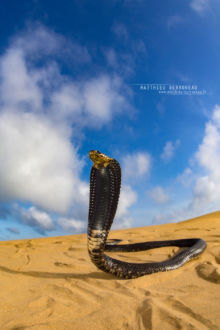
<point x="50" y="283"/>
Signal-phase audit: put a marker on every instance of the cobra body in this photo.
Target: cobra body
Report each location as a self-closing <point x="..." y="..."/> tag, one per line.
<point x="105" y="183"/>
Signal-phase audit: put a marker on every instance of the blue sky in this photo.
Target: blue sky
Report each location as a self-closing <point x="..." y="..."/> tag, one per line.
<point x="81" y="75"/>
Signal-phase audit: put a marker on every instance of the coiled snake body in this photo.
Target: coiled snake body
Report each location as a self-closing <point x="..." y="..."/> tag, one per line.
<point x="105" y="183"/>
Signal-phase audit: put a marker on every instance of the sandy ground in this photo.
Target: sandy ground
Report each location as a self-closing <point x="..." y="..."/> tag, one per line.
<point x="50" y="283"/>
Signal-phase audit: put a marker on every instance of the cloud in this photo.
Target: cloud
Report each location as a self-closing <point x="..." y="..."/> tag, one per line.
<point x="92" y="103"/>
<point x="136" y="165"/>
<point x="121" y="62"/>
<point x="207" y="187"/>
<point x="121" y="223"/>
<point x="127" y="198"/>
<point x="202" y="179"/>
<point x="173" y="21"/>
<point x="101" y="97"/>
<point x="15" y="77"/>
<point x="71" y="225"/>
<point x="159" y="195"/>
<point x="33" y="39"/>
<point x="186" y="178"/>
<point x="41" y="112"/>
<point x="169" y="149"/>
<point x="176" y="214"/>
<point x="39" y="220"/>
<point x="199" y="6"/>
<point x="38" y="164"/>
<point x="126" y="62"/>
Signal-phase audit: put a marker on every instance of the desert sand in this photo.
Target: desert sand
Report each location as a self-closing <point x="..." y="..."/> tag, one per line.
<point x="50" y="283"/>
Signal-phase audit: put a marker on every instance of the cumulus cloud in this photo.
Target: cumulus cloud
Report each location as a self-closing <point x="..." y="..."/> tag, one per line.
<point x="186" y="178"/>
<point x="175" y="214"/>
<point x="38" y="219"/>
<point x="159" y="195"/>
<point x="92" y="103"/>
<point x="37" y="163"/>
<point x="199" y="6"/>
<point x="203" y="179"/>
<point x="71" y="225"/>
<point x="136" y="165"/>
<point x="14" y="77"/>
<point x="127" y="198"/>
<point x="101" y="97"/>
<point x="169" y="149"/>
<point x="207" y="187"/>
<point x="33" y="39"/>
<point x="40" y="112"/>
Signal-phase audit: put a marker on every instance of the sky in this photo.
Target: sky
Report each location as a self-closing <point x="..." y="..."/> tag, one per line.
<point x="137" y="80"/>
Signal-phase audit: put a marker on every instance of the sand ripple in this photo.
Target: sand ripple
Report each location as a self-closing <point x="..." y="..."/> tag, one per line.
<point x="50" y="283"/>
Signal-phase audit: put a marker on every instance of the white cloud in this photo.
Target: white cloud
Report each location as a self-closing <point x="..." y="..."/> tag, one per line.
<point x="40" y="112"/>
<point x="37" y="163"/>
<point x="35" y="218"/>
<point x="101" y="97"/>
<point x="203" y="177"/>
<point x="66" y="102"/>
<point x="136" y="165"/>
<point x="18" y="86"/>
<point x="207" y="187"/>
<point x="159" y="195"/>
<point x="37" y="40"/>
<point x="127" y="198"/>
<point x="169" y="149"/>
<point x="121" y="223"/>
<point x="176" y="214"/>
<point x="199" y="6"/>
<point x="71" y="225"/>
<point x="186" y="177"/>
<point x="92" y="103"/>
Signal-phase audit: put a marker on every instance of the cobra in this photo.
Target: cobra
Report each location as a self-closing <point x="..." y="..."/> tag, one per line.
<point x="105" y="184"/>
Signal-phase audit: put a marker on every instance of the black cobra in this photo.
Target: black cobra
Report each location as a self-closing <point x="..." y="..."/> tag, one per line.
<point x="105" y="183"/>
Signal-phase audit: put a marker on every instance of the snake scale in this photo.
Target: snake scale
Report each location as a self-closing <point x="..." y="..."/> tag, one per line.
<point x="105" y="184"/>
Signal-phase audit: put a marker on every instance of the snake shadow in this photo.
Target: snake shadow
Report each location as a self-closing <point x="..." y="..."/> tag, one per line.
<point x="38" y="274"/>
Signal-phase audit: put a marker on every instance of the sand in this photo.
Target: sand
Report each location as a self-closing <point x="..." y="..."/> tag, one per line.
<point x="50" y="283"/>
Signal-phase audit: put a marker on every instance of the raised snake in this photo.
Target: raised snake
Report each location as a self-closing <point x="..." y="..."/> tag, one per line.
<point x="105" y="184"/>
